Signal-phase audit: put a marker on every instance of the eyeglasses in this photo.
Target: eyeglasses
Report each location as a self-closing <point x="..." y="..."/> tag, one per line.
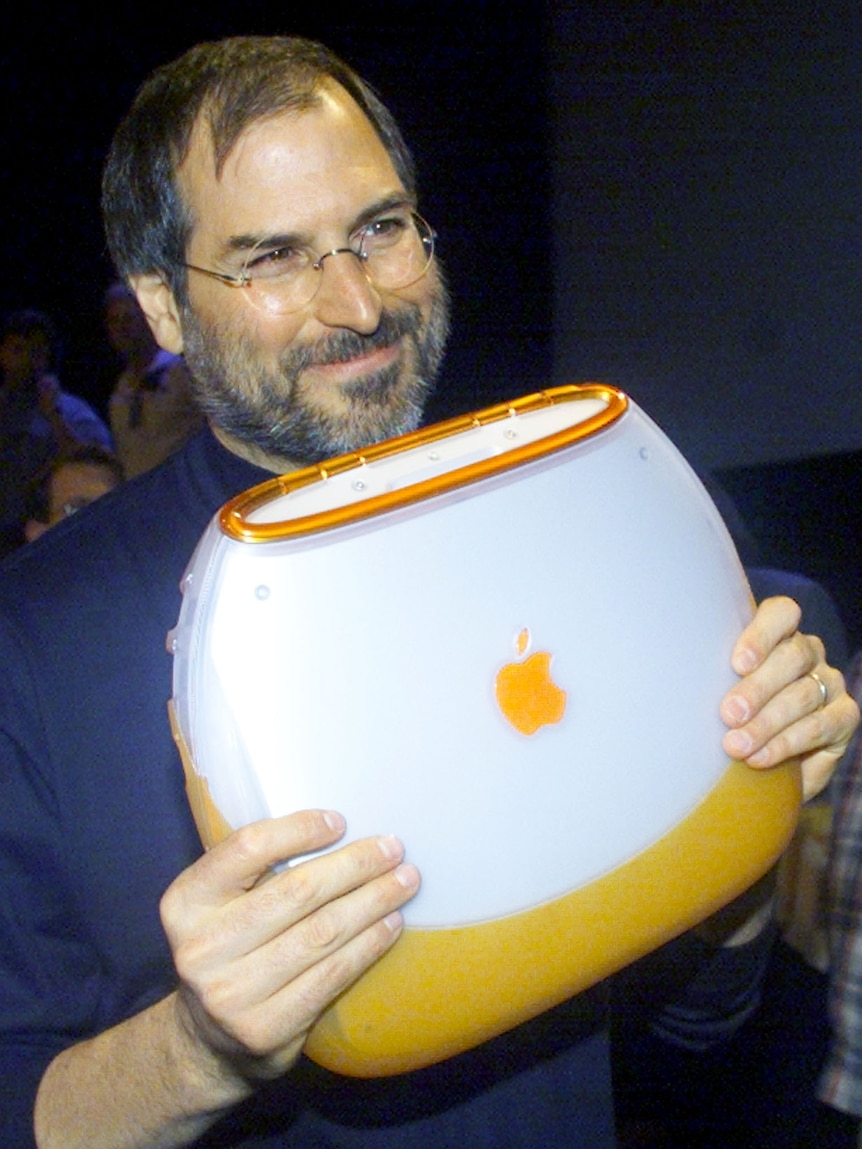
<point x="394" y="250"/>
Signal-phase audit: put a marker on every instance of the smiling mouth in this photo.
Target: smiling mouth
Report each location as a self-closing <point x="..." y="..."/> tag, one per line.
<point x="358" y="365"/>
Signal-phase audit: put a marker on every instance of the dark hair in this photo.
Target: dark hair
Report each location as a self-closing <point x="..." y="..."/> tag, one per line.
<point x="229" y="84"/>
<point x="38" y="495"/>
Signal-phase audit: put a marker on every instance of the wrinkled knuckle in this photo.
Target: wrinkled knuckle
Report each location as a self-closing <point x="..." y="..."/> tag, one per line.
<point x="812" y="649"/>
<point x="188" y="960"/>
<point x="247" y="844"/>
<point x="820" y="724"/>
<point x="780" y="749"/>
<point x="302" y="888"/>
<point x="804" y="653"/>
<point x="342" y="969"/>
<point x="320" y="933"/>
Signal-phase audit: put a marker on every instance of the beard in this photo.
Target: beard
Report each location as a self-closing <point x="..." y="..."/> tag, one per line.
<point x="274" y="410"/>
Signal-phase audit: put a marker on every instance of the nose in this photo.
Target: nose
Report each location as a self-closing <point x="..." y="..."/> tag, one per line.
<point x="346" y="297"/>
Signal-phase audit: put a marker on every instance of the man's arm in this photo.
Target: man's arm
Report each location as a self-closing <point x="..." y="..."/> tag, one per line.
<point x="259" y="957"/>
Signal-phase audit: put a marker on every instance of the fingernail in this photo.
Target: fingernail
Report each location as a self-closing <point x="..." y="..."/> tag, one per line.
<point x="746" y="661"/>
<point x="737" y="709"/>
<point x="390" y="846"/>
<point x="407" y="875"/>
<point x="394" y="921"/>
<point x="738" y="743"/>
<point x="335" y="821"/>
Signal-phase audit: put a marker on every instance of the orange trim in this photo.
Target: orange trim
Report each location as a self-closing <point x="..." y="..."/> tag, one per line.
<point x="233" y="516"/>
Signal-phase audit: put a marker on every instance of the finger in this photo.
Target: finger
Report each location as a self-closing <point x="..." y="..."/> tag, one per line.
<point x="775" y="620"/>
<point x="245" y="856"/>
<point x="770" y="710"/>
<point x="237" y="994"/>
<point x="263" y="1037"/>
<point x="236" y="865"/>
<point x="227" y="920"/>
<point x="788" y="662"/>
<point x="300" y="891"/>
<point x="294" y="1007"/>
<point x="819" y="735"/>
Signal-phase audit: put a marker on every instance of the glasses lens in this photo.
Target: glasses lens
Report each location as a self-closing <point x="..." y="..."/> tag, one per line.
<point x="279" y="279"/>
<point x="395" y="250"/>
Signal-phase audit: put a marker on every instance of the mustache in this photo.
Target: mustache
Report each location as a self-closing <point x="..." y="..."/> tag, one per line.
<point x="344" y="345"/>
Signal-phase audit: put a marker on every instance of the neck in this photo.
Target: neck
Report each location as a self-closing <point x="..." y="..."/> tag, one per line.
<point x="255" y="455"/>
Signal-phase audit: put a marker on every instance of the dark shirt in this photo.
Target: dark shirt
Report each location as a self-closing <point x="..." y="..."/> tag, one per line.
<point x="94" y="825"/>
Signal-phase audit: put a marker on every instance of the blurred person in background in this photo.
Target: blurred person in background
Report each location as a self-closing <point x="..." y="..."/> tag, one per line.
<point x="151" y="408"/>
<point x="74" y="479"/>
<point x="37" y="417"/>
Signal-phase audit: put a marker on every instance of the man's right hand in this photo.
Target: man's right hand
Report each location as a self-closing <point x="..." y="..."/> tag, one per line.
<point x="261" y="954"/>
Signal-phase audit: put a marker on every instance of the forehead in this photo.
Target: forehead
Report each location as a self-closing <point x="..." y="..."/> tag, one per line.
<point x="298" y="172"/>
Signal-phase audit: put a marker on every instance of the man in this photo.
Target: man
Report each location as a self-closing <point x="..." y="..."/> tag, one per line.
<point x="37" y="417"/>
<point x="260" y="201"/>
<point x="151" y="408"/>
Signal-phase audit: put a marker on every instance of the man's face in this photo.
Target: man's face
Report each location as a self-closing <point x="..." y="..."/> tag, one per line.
<point x="356" y="363"/>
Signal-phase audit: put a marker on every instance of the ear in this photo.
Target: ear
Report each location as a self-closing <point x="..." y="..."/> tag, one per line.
<point x="159" y="306"/>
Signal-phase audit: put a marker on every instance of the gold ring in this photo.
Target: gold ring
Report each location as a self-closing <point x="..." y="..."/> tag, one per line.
<point x="822" y="687"/>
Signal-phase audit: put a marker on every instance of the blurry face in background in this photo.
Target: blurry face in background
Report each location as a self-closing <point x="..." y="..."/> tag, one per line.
<point x="24" y="358"/>
<point x="73" y="486"/>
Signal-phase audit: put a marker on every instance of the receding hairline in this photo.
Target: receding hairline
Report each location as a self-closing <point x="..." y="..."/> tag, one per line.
<point x="210" y="118"/>
<point x="219" y="147"/>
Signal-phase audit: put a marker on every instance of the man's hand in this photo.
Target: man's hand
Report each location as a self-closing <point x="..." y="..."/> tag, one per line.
<point x="260" y="954"/>
<point x="777" y="709"/>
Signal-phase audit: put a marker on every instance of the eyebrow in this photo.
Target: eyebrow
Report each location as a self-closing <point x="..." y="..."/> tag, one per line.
<point x="245" y="242"/>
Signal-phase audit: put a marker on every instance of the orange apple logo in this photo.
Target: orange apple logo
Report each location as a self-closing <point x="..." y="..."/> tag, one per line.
<point x="526" y="693"/>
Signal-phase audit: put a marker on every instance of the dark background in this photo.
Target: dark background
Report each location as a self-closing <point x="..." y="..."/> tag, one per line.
<point x="465" y="81"/>
<point x="661" y="195"/>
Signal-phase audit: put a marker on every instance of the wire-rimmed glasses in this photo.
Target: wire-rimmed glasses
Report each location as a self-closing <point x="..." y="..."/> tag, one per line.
<point x="395" y="250"/>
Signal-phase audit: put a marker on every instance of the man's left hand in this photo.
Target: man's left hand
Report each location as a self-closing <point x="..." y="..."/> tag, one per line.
<point x="778" y="710"/>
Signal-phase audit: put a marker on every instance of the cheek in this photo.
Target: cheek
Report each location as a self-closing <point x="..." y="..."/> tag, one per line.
<point x="235" y="325"/>
<point x="265" y="337"/>
<point x="425" y="295"/>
